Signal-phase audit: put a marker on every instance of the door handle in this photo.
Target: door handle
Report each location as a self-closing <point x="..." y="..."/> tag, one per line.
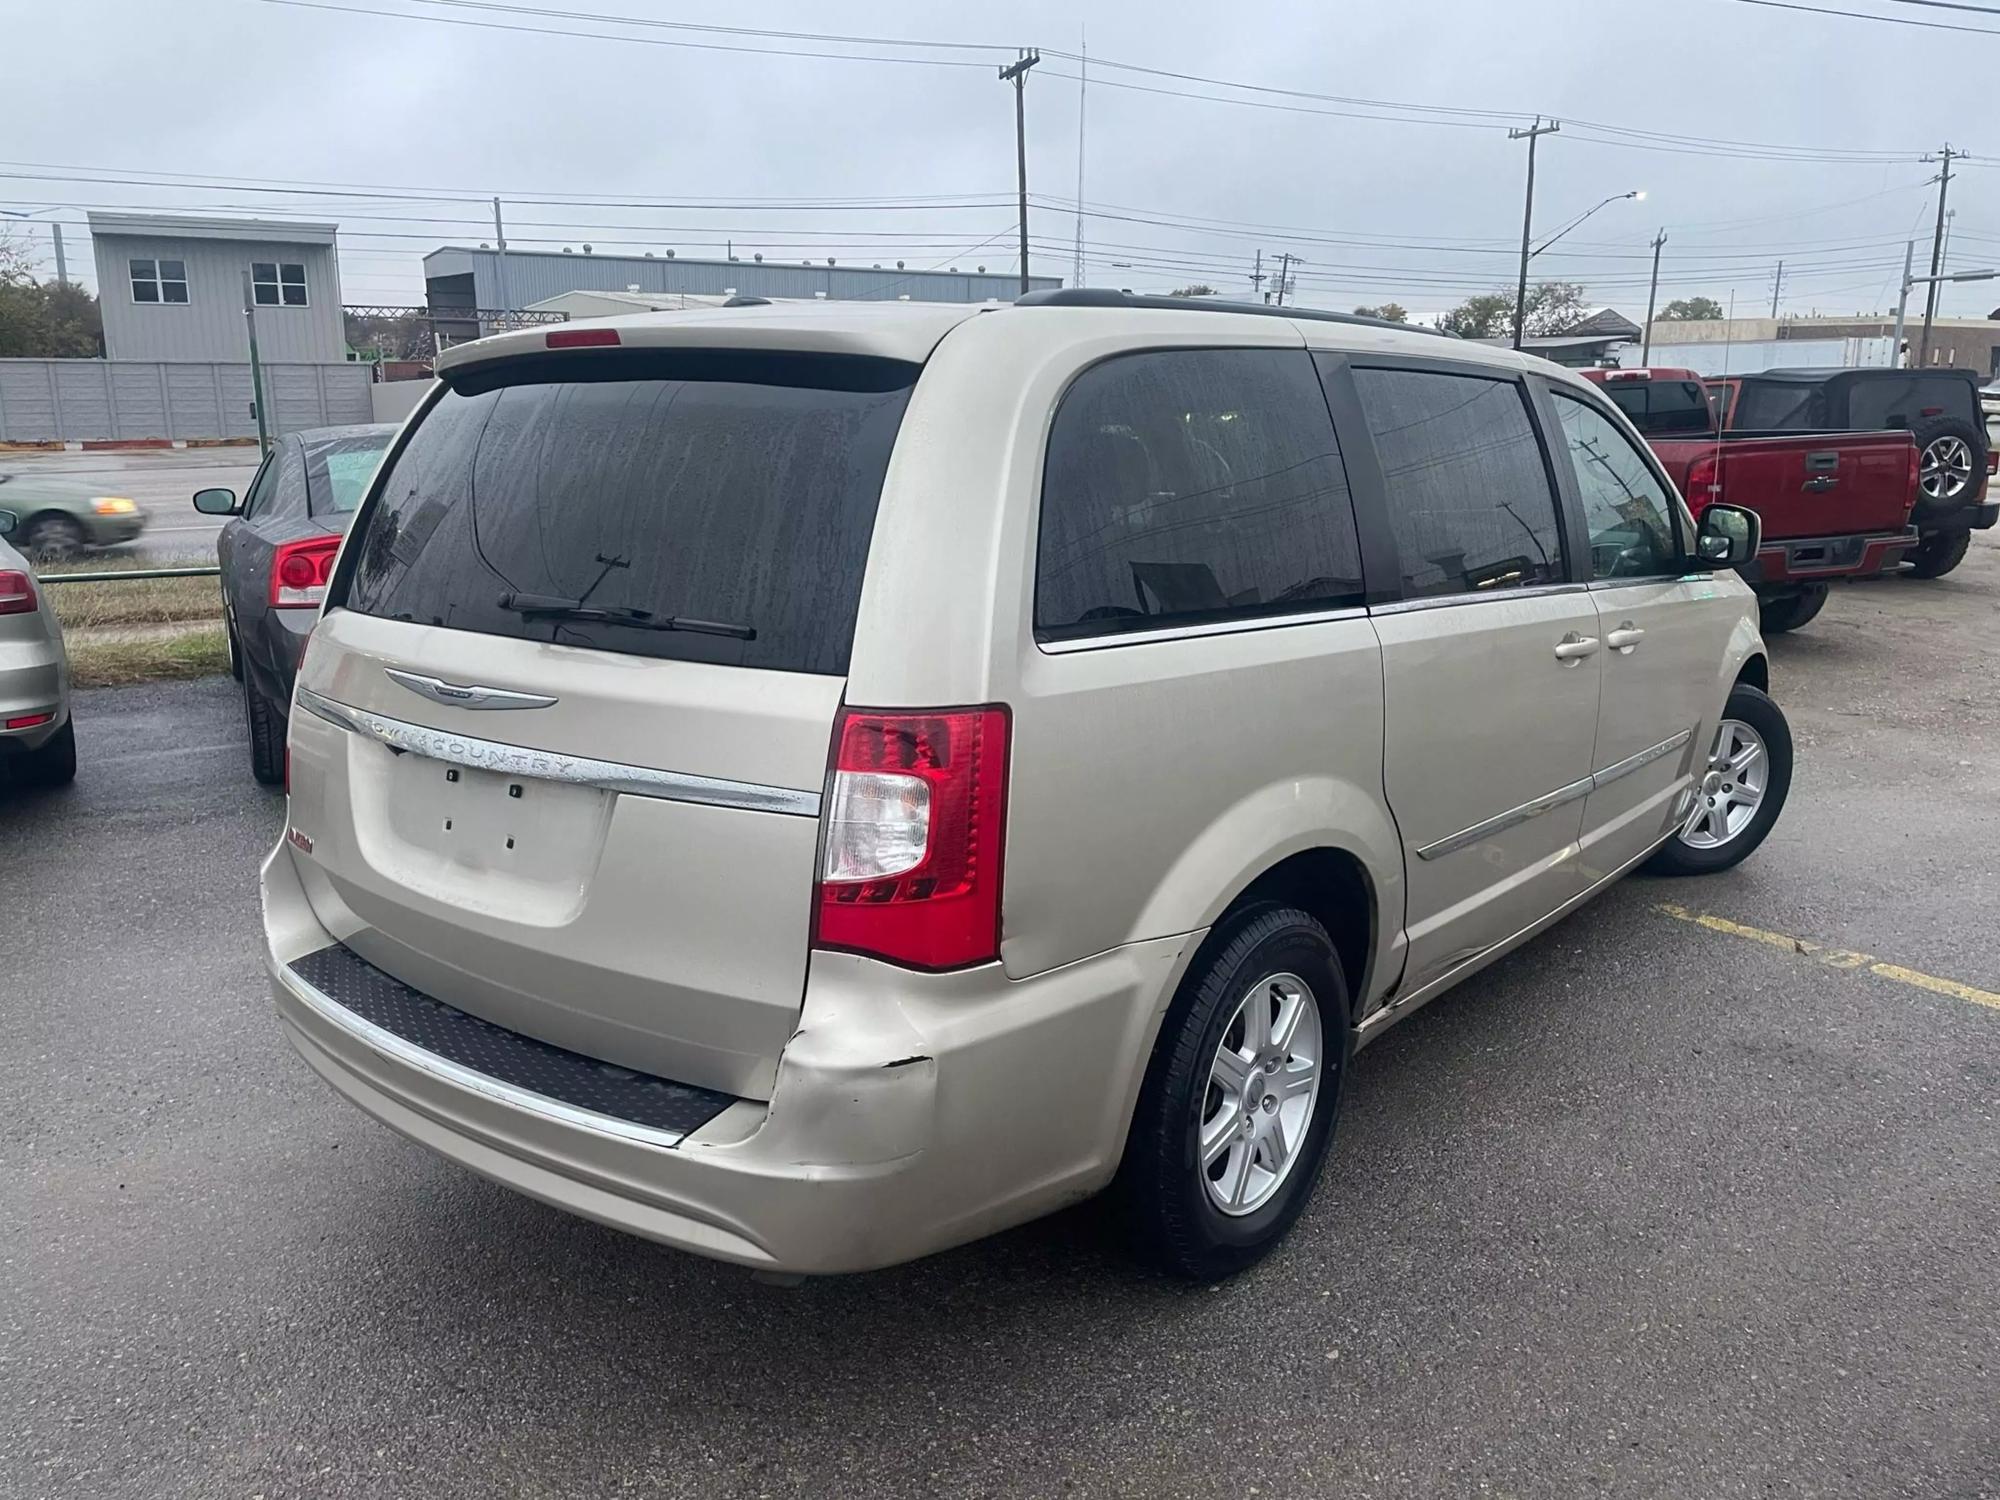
<point x="1624" y="638"/>
<point x="1572" y="648"/>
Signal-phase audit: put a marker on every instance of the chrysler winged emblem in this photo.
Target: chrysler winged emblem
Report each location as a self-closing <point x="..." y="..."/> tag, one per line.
<point x="466" y="694"/>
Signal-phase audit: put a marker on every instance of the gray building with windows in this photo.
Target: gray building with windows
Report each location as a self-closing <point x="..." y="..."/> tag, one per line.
<point x="465" y="277"/>
<point x="171" y="288"/>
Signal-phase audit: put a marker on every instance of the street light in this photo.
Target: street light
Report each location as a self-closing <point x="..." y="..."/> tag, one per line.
<point x="1903" y="301"/>
<point x="1527" y="253"/>
<point x="1636" y="195"/>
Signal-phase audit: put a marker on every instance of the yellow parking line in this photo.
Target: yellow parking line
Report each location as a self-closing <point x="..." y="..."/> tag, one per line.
<point x="1834" y="958"/>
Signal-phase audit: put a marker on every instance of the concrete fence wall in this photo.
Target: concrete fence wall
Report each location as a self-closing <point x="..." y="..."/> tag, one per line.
<point x="71" y="400"/>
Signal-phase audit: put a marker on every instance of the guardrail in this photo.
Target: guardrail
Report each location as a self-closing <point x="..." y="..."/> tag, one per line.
<point x="122" y="575"/>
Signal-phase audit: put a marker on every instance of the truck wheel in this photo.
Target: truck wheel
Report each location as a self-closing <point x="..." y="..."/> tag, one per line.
<point x="1740" y="792"/>
<point x="1240" y="1099"/>
<point x="1776" y="616"/>
<point x="1938" y="553"/>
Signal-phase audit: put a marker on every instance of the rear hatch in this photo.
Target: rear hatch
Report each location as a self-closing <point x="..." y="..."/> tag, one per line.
<point x="563" y="729"/>
<point x="1821" y="484"/>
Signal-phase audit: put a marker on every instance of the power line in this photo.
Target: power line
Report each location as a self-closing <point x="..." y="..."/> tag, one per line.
<point x="1863" y="15"/>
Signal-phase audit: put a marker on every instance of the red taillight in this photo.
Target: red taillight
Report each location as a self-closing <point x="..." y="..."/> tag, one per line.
<point x="29" y="721"/>
<point x="915" y="827"/>
<point x="581" y="338"/>
<point x="1704" y="483"/>
<point x="299" y="571"/>
<point x="17" y="593"/>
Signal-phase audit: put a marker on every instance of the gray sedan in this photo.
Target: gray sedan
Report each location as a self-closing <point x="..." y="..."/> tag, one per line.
<point x="276" y="555"/>
<point x="37" y="739"/>
<point x="57" y="518"/>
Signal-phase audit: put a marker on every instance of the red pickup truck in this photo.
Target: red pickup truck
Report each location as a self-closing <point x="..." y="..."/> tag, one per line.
<point x="1834" y="504"/>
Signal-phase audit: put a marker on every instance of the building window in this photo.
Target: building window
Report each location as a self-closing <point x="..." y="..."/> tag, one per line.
<point x="278" y="283"/>
<point x="159" y="281"/>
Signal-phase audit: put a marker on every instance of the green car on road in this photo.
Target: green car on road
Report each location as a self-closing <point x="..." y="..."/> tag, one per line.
<point x="59" y="518"/>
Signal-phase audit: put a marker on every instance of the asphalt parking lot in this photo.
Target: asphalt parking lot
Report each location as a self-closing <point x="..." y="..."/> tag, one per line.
<point x="1654" y="1207"/>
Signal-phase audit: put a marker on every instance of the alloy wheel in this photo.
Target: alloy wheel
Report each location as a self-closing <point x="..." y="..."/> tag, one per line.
<point x="1263" y="1087"/>
<point x="1947" y="468"/>
<point x="1731" y="790"/>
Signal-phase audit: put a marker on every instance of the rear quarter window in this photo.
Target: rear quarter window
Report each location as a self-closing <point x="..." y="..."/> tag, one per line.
<point x="1189" y="486"/>
<point x="714" y="487"/>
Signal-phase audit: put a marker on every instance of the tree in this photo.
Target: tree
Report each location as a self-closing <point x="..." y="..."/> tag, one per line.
<point x="1553" y="307"/>
<point x="403" y="336"/>
<point x="1486" y="316"/>
<point x="1692" y="310"/>
<point x="43" y="320"/>
<point x="1198" y="289"/>
<point x="1388" y="312"/>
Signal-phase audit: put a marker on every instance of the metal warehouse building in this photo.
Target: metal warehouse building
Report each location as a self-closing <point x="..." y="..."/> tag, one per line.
<point x="475" y="279"/>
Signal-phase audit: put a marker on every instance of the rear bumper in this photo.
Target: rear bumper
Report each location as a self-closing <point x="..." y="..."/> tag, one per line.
<point x="33" y="680"/>
<point x="1821" y="558"/>
<point x="1980" y="517"/>
<point x="911" y="1112"/>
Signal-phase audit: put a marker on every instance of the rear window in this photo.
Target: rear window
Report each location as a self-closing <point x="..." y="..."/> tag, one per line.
<point x="337" y="473"/>
<point x="733" y="493"/>
<point x="1662" y="408"/>
<point x="1772" y="406"/>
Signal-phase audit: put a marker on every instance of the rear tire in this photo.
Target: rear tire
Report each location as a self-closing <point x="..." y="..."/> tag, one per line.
<point x="1952" y="451"/>
<point x="54" y="763"/>
<point x="1938" y="553"/>
<point x="267" y="735"/>
<point x="1217" y="1067"/>
<point x="1711" y="837"/>
<point x="1776" y="616"/>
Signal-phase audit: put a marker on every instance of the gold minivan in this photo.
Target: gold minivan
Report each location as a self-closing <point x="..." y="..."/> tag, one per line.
<point x="816" y="784"/>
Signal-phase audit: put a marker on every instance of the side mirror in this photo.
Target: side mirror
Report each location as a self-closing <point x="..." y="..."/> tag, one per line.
<point x="1728" y="537"/>
<point x="216" y="502"/>
<point x="8" y="521"/>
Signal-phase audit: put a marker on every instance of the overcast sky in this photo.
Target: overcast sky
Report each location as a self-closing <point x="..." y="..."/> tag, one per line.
<point x="1412" y="209"/>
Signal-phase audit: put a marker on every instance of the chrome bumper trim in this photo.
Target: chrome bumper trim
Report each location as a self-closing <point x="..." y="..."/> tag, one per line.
<point x="574" y="770"/>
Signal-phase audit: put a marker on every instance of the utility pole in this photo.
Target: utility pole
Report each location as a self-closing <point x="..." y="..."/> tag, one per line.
<point x="499" y="262"/>
<point x="1652" y="296"/>
<point x="1017" y="75"/>
<point x="1257" y="277"/>
<point x="1903" y="304"/>
<point x="1777" y="287"/>
<point x="62" y="266"/>
<point x="1531" y="135"/>
<point x="256" y="369"/>
<point x="1937" y="254"/>
<point x="1285" y="262"/>
<point x="1082" y="98"/>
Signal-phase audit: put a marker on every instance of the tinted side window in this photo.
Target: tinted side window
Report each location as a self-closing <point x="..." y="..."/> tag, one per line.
<point x="1626" y="508"/>
<point x="1771" y="406"/>
<point x="1468" y="493"/>
<point x="1660" y="407"/>
<point x="1907" y="402"/>
<point x="1192" y="485"/>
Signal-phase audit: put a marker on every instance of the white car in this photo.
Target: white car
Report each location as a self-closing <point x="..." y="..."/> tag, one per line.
<point x="37" y="739"/>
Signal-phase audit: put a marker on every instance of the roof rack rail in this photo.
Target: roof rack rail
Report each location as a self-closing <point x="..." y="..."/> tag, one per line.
<point x="1095" y="296"/>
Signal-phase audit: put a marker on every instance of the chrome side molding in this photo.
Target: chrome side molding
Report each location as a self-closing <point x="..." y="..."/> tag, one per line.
<point x="1549" y="801"/>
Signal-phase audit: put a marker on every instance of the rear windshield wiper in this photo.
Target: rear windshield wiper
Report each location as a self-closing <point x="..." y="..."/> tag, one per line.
<point x="550" y="607"/>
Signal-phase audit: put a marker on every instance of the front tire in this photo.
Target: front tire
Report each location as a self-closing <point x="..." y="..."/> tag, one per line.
<point x="1776" y="616"/>
<point x="53" y="538"/>
<point x="1938" y="553"/>
<point x="1740" y="793"/>
<point x="267" y="735"/>
<point x="1241" y="1097"/>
